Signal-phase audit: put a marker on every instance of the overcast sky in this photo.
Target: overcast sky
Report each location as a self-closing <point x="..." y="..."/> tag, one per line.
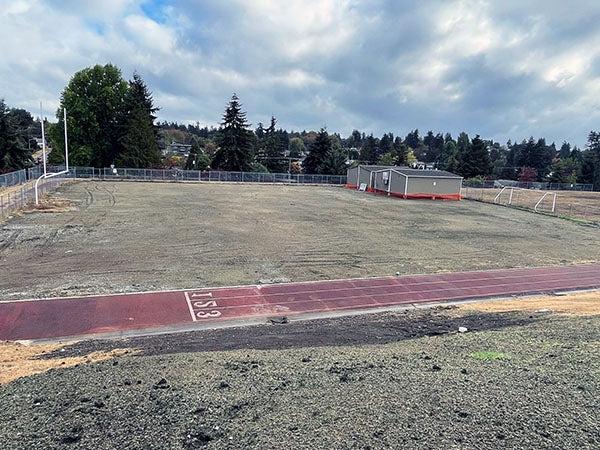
<point x="502" y="69"/>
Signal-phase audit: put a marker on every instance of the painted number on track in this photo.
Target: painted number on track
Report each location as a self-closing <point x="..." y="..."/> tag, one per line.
<point x="202" y="309"/>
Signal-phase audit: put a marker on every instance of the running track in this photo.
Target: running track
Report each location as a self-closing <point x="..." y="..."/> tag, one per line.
<point x="126" y="313"/>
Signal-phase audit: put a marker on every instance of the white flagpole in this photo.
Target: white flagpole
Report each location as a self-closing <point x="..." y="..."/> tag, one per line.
<point x="43" y="138"/>
<point x="66" y="144"/>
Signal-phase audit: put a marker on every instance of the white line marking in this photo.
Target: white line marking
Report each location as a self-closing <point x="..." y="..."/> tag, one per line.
<point x="528" y="271"/>
<point x="191" y="308"/>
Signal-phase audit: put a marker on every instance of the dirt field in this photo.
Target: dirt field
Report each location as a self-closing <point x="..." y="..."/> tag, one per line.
<point x="128" y="236"/>
<point x="575" y="204"/>
<point x="514" y="380"/>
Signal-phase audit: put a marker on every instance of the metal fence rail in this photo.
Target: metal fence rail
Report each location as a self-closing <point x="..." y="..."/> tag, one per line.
<point x="18" y="198"/>
<point x="543" y="186"/>
<point x="19" y="177"/>
<point x="177" y="175"/>
<point x="575" y="204"/>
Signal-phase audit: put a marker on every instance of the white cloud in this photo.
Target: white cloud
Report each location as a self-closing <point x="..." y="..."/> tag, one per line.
<point x="502" y="69"/>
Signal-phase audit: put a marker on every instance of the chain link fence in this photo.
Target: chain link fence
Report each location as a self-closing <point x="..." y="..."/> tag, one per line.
<point x="19" y="177"/>
<point x="177" y="175"/>
<point x="544" y="186"/>
<point x="574" y="204"/>
<point x="19" y="197"/>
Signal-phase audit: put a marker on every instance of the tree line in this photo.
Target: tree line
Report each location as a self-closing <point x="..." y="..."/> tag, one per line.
<point x="113" y="121"/>
<point x="18" y="130"/>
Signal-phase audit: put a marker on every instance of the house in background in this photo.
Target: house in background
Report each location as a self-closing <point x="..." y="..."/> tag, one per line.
<point x="176" y="148"/>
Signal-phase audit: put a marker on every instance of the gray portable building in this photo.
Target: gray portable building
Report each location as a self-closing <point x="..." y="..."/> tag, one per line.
<point x="363" y="174"/>
<point x="405" y="182"/>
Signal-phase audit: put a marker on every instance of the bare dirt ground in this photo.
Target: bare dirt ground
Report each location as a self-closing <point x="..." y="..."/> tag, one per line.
<point x="132" y="236"/>
<point x="516" y="379"/>
<point x="581" y="303"/>
<point x="20" y="360"/>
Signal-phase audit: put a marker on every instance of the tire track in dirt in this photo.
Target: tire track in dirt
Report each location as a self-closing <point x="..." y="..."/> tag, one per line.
<point x="4" y="245"/>
<point x="88" y="202"/>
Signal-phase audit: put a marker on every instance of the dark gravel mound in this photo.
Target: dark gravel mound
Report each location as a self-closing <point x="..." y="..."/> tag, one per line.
<point x="362" y="329"/>
<point x="516" y="387"/>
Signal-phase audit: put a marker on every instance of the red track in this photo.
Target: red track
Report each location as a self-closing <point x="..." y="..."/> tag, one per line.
<point x="68" y="317"/>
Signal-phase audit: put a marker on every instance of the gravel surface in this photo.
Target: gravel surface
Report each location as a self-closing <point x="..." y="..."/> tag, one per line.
<point x="526" y="382"/>
<point x="126" y="236"/>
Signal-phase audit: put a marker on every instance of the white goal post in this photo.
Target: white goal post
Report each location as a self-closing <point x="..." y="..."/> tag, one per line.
<point x="47" y="175"/>
<point x="515" y="197"/>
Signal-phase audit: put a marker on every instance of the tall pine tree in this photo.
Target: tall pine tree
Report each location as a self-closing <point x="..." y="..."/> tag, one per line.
<point x="274" y="152"/>
<point x="318" y="152"/>
<point x="369" y="152"/>
<point x="235" y="140"/>
<point x="477" y="161"/>
<point x="590" y="165"/>
<point x="139" y="146"/>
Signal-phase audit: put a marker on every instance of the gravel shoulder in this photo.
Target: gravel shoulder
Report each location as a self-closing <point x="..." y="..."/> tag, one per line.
<point x="516" y="379"/>
<point x="126" y="237"/>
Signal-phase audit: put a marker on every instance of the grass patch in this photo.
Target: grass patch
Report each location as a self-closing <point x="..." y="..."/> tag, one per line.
<point x="489" y="355"/>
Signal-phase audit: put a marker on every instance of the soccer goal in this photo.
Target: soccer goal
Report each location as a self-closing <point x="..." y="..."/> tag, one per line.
<point x="539" y="201"/>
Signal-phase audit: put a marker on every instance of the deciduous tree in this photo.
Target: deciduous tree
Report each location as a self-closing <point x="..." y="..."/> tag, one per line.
<point x="94" y="99"/>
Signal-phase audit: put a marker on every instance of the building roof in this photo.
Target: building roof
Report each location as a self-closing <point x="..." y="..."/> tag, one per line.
<point x="373" y="168"/>
<point x="404" y="170"/>
<point x="426" y="173"/>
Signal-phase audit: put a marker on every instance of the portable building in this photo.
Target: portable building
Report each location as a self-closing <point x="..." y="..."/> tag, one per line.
<point x="405" y="182"/>
<point x="362" y="175"/>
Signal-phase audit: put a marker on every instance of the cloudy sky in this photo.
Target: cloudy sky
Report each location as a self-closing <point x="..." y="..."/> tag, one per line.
<point x="503" y="69"/>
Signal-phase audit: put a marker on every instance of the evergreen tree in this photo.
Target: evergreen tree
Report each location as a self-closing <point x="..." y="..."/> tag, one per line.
<point x="412" y="139"/>
<point x="369" y="150"/>
<point x="335" y="160"/>
<point x="317" y="154"/>
<point x="355" y="139"/>
<point x="477" y="162"/>
<point x="14" y="153"/>
<point x="274" y="152"/>
<point x="429" y="141"/>
<point x="401" y="151"/>
<point x="448" y="152"/>
<point x="139" y="146"/>
<point x="386" y="144"/>
<point x="235" y="141"/>
<point x="590" y="166"/>
<point x="463" y="148"/>
<point x="536" y="154"/>
<point x="565" y="150"/>
<point x="260" y="131"/>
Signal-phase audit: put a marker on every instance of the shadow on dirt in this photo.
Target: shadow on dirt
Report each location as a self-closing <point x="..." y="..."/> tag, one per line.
<point x="354" y="330"/>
